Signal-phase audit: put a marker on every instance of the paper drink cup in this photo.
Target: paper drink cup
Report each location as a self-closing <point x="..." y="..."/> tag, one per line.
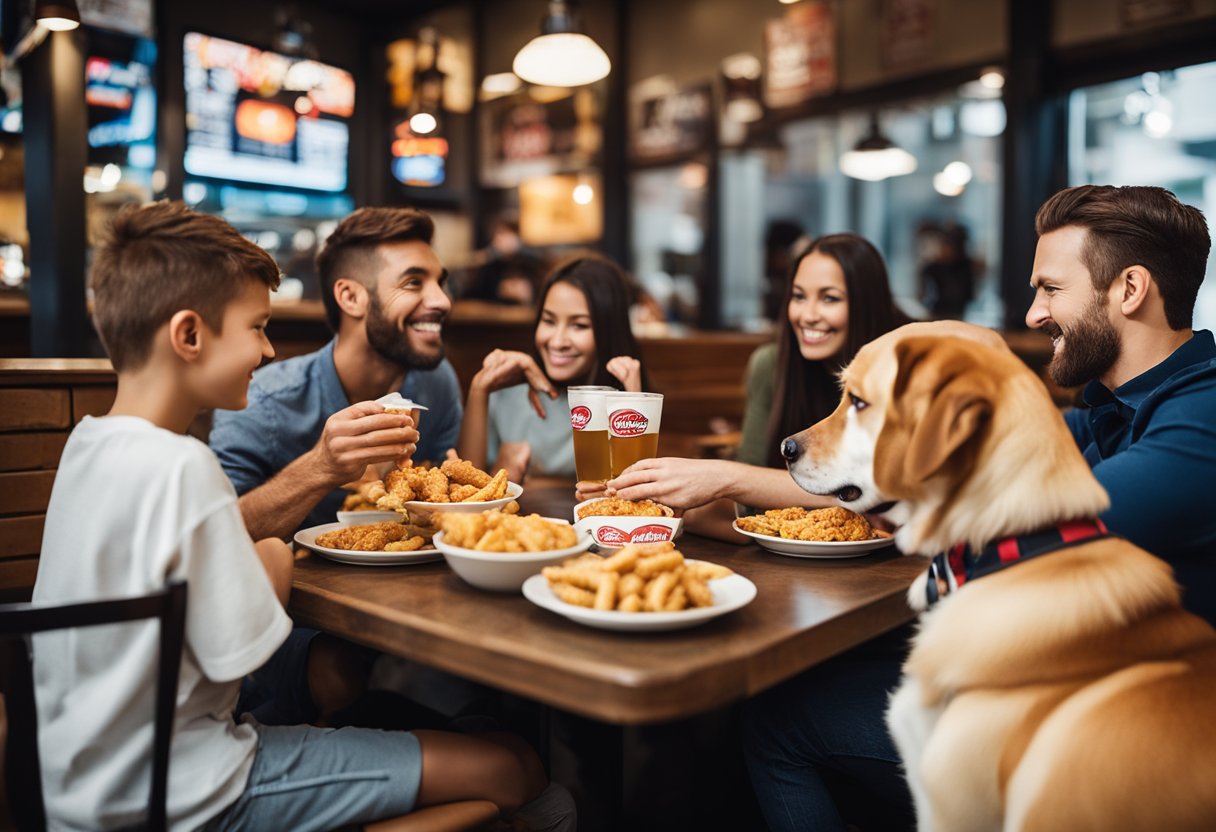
<point x="633" y="428"/>
<point x="589" y="427"/>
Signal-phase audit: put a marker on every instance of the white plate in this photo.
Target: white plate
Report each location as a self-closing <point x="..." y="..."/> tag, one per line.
<point x="730" y="593"/>
<point x="363" y="518"/>
<point x="816" y="548"/>
<point x="421" y="511"/>
<point x="505" y="571"/>
<point x="308" y="538"/>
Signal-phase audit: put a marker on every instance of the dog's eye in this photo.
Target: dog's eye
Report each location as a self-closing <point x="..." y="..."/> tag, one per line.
<point x="858" y="402"/>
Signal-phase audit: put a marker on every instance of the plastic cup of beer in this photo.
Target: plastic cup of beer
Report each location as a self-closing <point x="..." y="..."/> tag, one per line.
<point x="589" y="424"/>
<point x="633" y="428"/>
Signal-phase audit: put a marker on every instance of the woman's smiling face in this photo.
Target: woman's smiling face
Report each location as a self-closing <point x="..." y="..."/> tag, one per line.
<point x="819" y="307"/>
<point x="564" y="337"/>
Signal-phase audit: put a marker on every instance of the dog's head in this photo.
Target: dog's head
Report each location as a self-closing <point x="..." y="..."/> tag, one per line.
<point x="944" y="432"/>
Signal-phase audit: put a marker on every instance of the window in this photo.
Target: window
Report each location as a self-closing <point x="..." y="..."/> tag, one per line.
<point x="948" y="208"/>
<point x="1153" y="129"/>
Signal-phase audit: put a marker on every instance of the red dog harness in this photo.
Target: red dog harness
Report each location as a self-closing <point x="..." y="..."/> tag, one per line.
<point x="963" y="565"/>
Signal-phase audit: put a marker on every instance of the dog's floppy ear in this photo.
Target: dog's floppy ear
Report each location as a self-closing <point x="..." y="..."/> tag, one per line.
<point x="960" y="395"/>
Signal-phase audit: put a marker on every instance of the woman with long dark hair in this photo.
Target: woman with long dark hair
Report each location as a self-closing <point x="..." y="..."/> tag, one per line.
<point x="582" y="336"/>
<point x="838" y="300"/>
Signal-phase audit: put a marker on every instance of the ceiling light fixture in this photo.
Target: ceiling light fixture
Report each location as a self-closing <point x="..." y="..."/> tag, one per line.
<point x="57" y="15"/>
<point x="423" y="123"/>
<point x="561" y="56"/>
<point x="876" y="157"/>
<point x="993" y="79"/>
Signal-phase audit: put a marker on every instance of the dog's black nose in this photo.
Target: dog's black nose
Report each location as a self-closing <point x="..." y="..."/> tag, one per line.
<point x="789" y="449"/>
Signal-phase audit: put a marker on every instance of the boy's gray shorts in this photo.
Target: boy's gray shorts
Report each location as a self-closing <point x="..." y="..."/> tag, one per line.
<point x="321" y="778"/>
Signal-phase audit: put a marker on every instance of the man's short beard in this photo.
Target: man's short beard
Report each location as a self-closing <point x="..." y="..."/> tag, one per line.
<point x="1090" y="348"/>
<point x="393" y="344"/>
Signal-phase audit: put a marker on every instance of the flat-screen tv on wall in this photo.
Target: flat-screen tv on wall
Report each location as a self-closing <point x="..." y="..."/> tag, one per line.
<point x="264" y="118"/>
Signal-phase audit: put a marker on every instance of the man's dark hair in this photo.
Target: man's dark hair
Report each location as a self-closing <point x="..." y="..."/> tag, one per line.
<point x="158" y="259"/>
<point x="350" y="251"/>
<point x="1136" y="226"/>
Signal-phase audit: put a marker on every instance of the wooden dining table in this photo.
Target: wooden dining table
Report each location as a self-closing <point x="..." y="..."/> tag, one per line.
<point x="805" y="611"/>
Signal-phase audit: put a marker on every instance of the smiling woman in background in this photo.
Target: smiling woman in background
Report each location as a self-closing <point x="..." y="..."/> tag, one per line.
<point x="517" y="415"/>
<point x="838" y="300"/>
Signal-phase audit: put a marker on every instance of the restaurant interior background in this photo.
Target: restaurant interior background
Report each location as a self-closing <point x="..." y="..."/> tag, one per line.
<point x="724" y="132"/>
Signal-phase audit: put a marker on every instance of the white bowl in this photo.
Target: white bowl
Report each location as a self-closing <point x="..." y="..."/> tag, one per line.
<point x="613" y="532"/>
<point x="363" y="518"/>
<point x="505" y="571"/>
<point x="420" y="511"/>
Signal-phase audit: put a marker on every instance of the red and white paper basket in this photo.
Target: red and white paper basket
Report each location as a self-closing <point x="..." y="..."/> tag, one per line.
<point x="610" y="533"/>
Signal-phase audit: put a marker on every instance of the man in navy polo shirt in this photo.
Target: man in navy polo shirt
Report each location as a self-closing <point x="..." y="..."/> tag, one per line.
<point x="300" y="437"/>
<point x="1115" y="276"/>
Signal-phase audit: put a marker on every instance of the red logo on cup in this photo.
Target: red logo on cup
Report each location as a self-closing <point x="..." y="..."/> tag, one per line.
<point x="580" y="416"/>
<point x="611" y="536"/>
<point x="627" y="423"/>
<point x="652" y="533"/>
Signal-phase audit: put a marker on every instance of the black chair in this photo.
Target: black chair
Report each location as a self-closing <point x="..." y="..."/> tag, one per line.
<point x="23" y="770"/>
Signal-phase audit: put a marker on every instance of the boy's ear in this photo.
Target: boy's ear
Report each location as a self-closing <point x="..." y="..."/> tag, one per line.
<point x="352" y="297"/>
<point x="186" y="334"/>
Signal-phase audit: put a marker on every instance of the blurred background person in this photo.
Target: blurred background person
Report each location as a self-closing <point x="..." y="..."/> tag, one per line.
<point x="948" y="274"/>
<point x="783" y="242"/>
<point x="506" y="271"/>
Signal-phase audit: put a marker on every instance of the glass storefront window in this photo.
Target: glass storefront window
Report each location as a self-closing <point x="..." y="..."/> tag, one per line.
<point x="938" y="227"/>
<point x="1152" y="129"/>
<point x="670" y="211"/>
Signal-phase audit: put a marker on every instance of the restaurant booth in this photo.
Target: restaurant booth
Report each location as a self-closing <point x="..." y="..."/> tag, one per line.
<point x="724" y="134"/>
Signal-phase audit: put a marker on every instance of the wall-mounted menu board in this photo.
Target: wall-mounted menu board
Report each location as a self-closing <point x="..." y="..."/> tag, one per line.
<point x="260" y="117"/>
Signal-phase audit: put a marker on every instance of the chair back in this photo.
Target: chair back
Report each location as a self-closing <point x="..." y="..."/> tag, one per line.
<point x="23" y="769"/>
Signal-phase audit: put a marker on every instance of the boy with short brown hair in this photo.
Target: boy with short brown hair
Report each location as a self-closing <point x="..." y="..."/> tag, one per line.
<point x="181" y="302"/>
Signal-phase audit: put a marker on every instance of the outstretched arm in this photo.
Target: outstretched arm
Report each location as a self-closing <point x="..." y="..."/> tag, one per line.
<point x="688" y="483"/>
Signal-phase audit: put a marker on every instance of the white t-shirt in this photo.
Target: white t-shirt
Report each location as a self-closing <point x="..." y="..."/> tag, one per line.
<point x="133" y="506"/>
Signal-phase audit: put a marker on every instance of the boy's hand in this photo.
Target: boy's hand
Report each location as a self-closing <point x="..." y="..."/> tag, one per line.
<point x="361" y="435"/>
<point x="628" y="371"/>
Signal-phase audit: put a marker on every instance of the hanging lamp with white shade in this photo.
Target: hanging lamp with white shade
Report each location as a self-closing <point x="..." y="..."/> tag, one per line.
<point x="876" y="157"/>
<point x="57" y="15"/>
<point x="562" y="55"/>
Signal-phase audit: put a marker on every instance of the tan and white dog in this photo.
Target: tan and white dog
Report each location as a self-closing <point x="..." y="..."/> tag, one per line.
<point x="1068" y="692"/>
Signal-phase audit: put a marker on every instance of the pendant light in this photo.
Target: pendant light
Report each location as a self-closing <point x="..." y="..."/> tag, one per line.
<point x="876" y="157"/>
<point x="57" y="15"/>
<point x="561" y="56"/>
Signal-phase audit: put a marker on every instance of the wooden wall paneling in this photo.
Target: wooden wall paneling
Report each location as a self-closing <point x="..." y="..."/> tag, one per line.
<point x="34" y="408"/>
<point x="92" y="400"/>
<point x="25" y="451"/>
<point x="25" y="492"/>
<point x="21" y="536"/>
<point x="17" y="578"/>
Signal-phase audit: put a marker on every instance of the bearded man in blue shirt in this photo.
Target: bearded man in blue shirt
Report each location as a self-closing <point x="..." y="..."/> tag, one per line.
<point x="312" y="424"/>
<point x="1116" y="274"/>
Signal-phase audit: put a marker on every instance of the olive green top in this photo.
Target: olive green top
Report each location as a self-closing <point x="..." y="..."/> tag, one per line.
<point x="761" y="385"/>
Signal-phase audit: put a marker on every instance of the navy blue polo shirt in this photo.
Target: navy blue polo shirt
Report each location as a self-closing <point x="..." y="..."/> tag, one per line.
<point x="289" y="402"/>
<point x="1152" y="444"/>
